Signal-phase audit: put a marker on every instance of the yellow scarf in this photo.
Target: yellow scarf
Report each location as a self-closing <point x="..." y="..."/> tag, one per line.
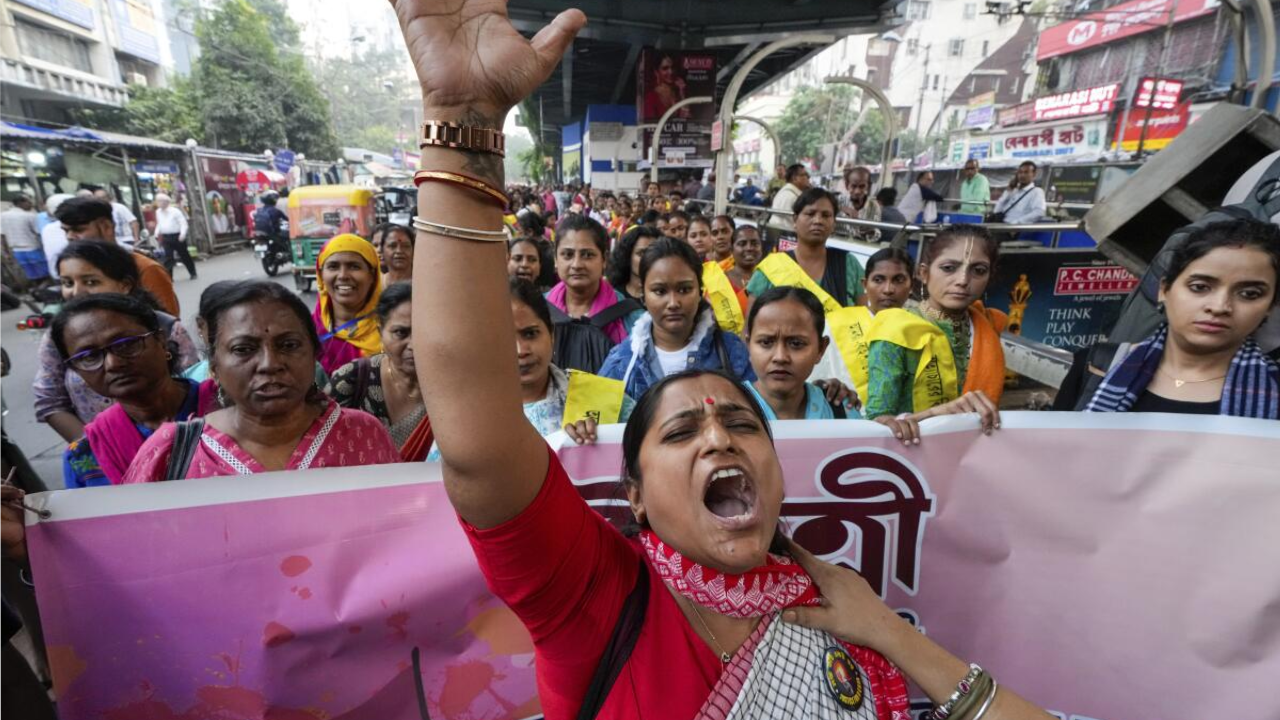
<point x="592" y="396"/>
<point x="851" y="328"/>
<point x="782" y="271"/>
<point x="936" y="379"/>
<point x="722" y="297"/>
<point x="364" y="334"/>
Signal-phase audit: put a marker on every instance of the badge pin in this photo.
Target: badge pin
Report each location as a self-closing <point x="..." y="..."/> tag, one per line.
<point x="843" y="678"/>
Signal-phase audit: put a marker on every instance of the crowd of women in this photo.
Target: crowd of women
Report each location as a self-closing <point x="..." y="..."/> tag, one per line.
<point x="708" y="339"/>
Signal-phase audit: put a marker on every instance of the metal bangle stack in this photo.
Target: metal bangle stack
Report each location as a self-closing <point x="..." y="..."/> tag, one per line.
<point x="972" y="698"/>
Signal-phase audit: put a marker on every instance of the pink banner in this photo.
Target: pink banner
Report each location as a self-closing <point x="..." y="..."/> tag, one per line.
<point x="1108" y="567"/>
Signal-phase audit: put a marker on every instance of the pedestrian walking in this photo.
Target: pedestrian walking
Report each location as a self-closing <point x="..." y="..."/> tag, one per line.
<point x="171" y="226"/>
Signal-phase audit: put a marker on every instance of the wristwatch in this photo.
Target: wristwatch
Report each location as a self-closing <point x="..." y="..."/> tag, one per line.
<point x="463" y="137"/>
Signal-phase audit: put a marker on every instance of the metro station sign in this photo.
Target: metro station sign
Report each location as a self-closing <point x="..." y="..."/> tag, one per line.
<point x="1077" y="103"/>
<point x="1117" y="22"/>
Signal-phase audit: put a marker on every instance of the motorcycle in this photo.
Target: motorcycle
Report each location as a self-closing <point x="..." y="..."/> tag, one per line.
<point x="273" y="252"/>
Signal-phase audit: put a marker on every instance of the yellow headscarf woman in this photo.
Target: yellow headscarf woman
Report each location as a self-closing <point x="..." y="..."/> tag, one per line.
<point x="350" y="284"/>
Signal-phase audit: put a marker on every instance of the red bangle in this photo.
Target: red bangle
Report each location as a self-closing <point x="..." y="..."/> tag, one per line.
<point x="497" y="196"/>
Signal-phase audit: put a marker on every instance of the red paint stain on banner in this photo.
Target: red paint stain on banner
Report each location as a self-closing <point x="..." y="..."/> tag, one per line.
<point x="295" y="565"/>
<point x="275" y="634"/>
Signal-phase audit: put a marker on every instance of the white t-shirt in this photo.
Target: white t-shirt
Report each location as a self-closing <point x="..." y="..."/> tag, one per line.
<point x="54" y="239"/>
<point x="121" y="216"/>
<point x="675" y="361"/>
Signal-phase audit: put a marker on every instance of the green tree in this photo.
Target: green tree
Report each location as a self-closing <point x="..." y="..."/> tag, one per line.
<point x="252" y="94"/>
<point x="531" y="157"/>
<point x="370" y="98"/>
<point x="814" y="116"/>
<point x="170" y="113"/>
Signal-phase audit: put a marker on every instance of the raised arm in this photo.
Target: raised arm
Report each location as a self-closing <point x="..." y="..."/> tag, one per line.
<point x="473" y="67"/>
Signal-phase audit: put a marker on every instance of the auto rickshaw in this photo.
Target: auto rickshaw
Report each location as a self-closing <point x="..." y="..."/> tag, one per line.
<point x="319" y="212"/>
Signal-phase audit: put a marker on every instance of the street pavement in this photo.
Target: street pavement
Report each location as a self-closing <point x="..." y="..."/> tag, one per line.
<point x="41" y="444"/>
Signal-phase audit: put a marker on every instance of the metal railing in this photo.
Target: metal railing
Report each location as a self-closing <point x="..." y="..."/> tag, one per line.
<point x="761" y="214"/>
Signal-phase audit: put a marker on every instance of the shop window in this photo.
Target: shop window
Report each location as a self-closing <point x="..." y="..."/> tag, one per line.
<point x="52" y="46"/>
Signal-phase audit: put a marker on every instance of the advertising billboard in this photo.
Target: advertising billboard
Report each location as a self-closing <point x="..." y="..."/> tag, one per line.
<point x="664" y="78"/>
<point x="1117" y="22"/>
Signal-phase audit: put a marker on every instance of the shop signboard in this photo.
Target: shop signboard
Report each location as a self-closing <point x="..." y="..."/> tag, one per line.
<point x="1019" y="114"/>
<point x="957" y="151"/>
<point x="980" y="150"/>
<point x="1074" y="183"/>
<point x="1076" y="103"/>
<point x="1159" y="93"/>
<point x="1059" y="141"/>
<point x="76" y="12"/>
<point x="156" y="167"/>
<point x="136" y="28"/>
<point x="664" y="78"/>
<point x="1162" y="127"/>
<point x="1067" y="300"/>
<point x="982" y="111"/>
<point x="1117" y="22"/>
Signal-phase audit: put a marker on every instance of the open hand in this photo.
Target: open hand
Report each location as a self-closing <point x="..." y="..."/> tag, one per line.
<point x="472" y="63"/>
<point x="850" y="609"/>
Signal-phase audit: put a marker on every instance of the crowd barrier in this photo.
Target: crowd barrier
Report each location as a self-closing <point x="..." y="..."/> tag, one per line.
<point x="1115" y="567"/>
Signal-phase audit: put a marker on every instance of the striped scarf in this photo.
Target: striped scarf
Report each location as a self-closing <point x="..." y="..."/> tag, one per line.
<point x="1252" y="387"/>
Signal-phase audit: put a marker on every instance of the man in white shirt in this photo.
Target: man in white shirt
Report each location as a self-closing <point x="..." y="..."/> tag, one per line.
<point x="52" y="236"/>
<point x="171" y="227"/>
<point x="127" y="228"/>
<point x="18" y="225"/>
<point x="1022" y="202"/>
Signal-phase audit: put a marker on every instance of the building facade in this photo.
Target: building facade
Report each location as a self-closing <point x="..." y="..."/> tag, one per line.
<point x="57" y="55"/>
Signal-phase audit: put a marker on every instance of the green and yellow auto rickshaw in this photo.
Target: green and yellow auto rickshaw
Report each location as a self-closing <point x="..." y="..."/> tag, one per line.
<point x="319" y="212"/>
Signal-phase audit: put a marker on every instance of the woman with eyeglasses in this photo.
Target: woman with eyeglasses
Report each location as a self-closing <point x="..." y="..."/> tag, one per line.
<point x="262" y="353"/>
<point x="62" y="398"/>
<point x="116" y="345"/>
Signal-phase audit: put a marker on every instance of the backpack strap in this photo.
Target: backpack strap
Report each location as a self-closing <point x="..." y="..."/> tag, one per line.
<point x="185" y="439"/>
<point x="364" y="376"/>
<point x="621" y="643"/>
<point x="558" y="316"/>
<point x="616" y="311"/>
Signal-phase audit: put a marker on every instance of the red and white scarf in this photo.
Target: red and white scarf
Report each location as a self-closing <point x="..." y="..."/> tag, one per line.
<point x="778" y="584"/>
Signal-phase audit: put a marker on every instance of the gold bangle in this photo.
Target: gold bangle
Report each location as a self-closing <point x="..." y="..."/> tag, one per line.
<point x="465" y="181"/>
<point x="460" y="233"/>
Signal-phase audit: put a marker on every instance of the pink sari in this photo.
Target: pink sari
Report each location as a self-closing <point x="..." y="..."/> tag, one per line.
<point x="605" y="297"/>
<point x="339" y="437"/>
<point x="115" y="441"/>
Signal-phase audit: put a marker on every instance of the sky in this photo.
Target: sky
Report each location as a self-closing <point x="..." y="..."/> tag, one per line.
<point x="328" y="27"/>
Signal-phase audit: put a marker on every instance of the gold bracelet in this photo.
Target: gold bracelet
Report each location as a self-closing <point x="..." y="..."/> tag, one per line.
<point x="466" y="181"/>
<point x="459" y="232"/>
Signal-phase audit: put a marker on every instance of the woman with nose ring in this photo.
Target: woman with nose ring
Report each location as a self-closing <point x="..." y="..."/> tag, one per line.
<point x="262" y="354"/>
<point x="946" y="347"/>
<point x="349" y="284"/>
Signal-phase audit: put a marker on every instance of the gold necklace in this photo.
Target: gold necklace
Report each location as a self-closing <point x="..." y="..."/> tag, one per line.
<point x="1179" y="383"/>
<point x="414" y="392"/>
<point x="724" y="656"/>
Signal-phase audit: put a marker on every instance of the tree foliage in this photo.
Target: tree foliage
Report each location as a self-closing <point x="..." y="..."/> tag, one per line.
<point x="531" y="163"/>
<point x="371" y="98"/>
<point x="255" y="92"/>
<point x="814" y="116"/>
<point x="169" y="113"/>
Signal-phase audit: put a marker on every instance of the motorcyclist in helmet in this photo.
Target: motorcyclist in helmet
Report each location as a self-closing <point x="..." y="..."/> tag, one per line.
<point x="267" y="219"/>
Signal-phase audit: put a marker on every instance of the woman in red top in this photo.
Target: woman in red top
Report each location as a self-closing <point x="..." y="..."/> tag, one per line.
<point x="703" y="479"/>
